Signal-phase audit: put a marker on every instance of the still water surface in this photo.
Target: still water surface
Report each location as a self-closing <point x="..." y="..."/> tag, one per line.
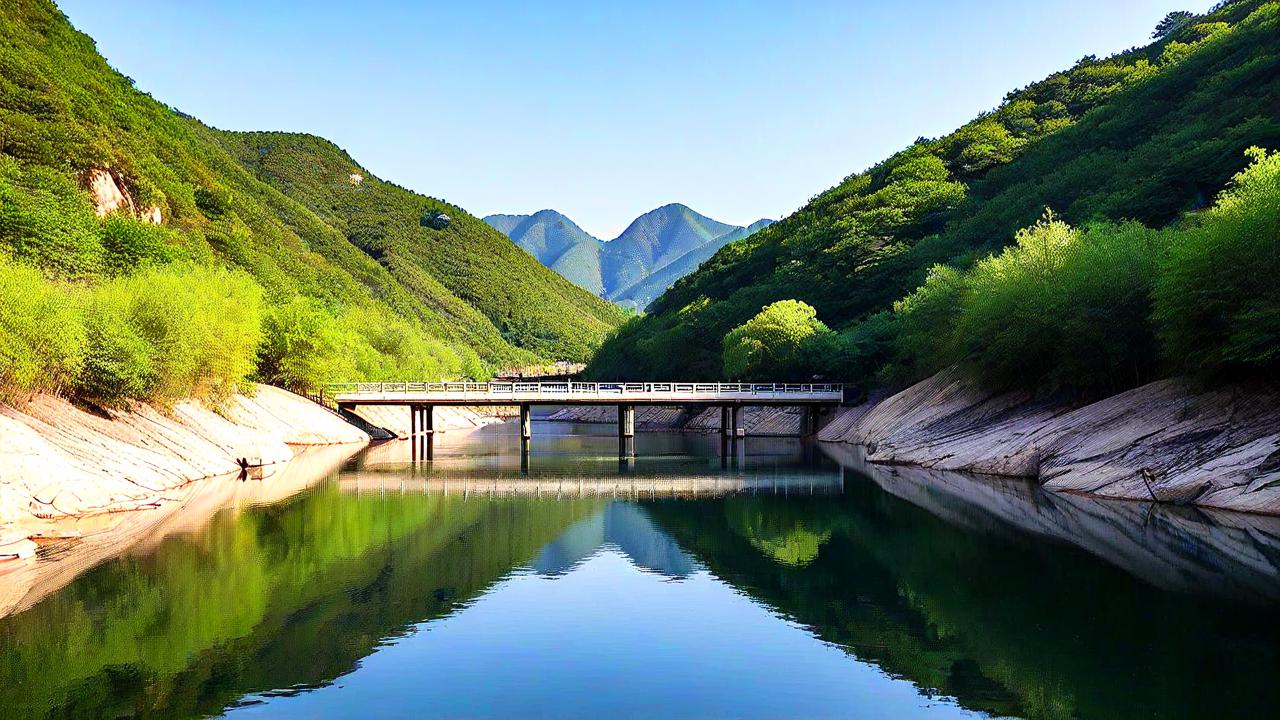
<point x="795" y="582"/>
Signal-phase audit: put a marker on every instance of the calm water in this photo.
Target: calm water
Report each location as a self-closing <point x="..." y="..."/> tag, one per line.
<point x="789" y="584"/>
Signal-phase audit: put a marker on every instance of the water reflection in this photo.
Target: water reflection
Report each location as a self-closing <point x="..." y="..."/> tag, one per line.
<point x="788" y="585"/>
<point x="625" y="527"/>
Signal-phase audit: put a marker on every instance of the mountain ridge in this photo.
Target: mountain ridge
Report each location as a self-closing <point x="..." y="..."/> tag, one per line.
<point x="671" y="239"/>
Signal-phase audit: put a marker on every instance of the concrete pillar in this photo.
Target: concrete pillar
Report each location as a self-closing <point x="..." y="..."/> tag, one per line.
<point x="526" y="421"/>
<point x="626" y="421"/>
<point x="736" y="422"/>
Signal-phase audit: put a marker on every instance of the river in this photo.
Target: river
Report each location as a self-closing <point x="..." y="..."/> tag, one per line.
<point x="790" y="581"/>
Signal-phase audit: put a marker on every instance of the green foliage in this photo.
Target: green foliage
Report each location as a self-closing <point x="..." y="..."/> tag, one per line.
<point x="128" y="243"/>
<point x="431" y="301"/>
<point x="1172" y="23"/>
<point x="302" y="346"/>
<point x="213" y="202"/>
<point x="1218" y="297"/>
<point x="775" y="341"/>
<point x="1098" y="309"/>
<point x="922" y="325"/>
<point x="117" y="364"/>
<point x="42" y="342"/>
<point x="1146" y="135"/>
<point x="1062" y="308"/>
<point x="170" y="333"/>
<point x="161" y="335"/>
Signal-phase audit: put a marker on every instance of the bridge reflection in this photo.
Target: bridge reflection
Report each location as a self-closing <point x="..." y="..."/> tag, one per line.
<point x="394" y="480"/>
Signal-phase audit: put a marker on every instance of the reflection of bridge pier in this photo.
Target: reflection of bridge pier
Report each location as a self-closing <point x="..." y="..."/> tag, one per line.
<point x="732" y="398"/>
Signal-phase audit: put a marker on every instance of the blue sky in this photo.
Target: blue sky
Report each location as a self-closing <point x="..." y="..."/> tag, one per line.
<point x="604" y="110"/>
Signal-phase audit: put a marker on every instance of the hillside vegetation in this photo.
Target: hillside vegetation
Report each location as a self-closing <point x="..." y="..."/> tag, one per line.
<point x="129" y="229"/>
<point x="655" y="250"/>
<point x="1137" y="140"/>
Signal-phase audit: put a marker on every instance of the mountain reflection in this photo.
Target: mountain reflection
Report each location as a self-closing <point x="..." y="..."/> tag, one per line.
<point x="621" y="525"/>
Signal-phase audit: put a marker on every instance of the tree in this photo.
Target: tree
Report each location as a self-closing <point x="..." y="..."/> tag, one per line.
<point x="1172" y="23"/>
<point x="775" y="341"/>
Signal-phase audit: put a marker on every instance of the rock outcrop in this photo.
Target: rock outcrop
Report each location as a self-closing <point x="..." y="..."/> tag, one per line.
<point x="110" y="194"/>
<point x="1165" y="441"/>
<point x="59" y="461"/>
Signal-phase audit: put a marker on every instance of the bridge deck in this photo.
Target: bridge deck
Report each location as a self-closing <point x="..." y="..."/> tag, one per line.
<point x="579" y="393"/>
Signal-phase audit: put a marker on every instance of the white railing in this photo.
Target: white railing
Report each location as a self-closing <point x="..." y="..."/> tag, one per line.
<point x="551" y="390"/>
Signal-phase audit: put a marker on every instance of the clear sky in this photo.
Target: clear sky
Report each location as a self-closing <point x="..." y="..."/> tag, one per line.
<point x="604" y="110"/>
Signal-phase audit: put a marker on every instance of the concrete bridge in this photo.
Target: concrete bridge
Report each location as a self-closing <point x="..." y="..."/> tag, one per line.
<point x="422" y="397"/>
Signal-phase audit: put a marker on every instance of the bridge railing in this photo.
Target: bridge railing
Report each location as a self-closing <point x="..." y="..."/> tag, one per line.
<point x="593" y="389"/>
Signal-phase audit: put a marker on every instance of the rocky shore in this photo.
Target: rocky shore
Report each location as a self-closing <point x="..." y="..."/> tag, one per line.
<point x="61" y="463"/>
<point x="1167" y="441"/>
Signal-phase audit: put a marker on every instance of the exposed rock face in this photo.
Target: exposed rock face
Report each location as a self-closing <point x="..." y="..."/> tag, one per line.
<point x="58" y="461"/>
<point x="1164" y="441"/>
<point x="110" y="195"/>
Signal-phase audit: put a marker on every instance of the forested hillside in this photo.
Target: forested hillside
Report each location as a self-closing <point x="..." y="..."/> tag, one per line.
<point x="144" y="254"/>
<point x="1147" y="135"/>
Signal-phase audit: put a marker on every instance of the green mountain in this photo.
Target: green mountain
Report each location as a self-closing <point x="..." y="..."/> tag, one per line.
<point x="652" y="241"/>
<point x="644" y="292"/>
<point x="671" y="240"/>
<point x="1145" y="135"/>
<point x="558" y="243"/>
<point x="357" y="277"/>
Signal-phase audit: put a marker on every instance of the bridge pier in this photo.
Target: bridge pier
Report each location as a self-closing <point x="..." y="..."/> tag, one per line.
<point x="421" y="431"/>
<point x="526" y="421"/>
<point x="626" y="431"/>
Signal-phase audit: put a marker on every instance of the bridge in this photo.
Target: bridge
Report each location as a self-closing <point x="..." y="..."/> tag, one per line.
<point x="421" y="397"/>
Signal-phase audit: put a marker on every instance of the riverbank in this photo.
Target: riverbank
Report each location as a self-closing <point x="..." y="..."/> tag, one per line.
<point x="61" y="464"/>
<point x="1167" y="441"/>
<point x="65" y="468"/>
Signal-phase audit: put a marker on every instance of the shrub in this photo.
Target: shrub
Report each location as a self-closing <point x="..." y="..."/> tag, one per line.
<point x="201" y="326"/>
<point x="117" y="364"/>
<point x="41" y="338"/>
<point x="128" y="244"/>
<point x="1217" y="297"/>
<point x="1007" y="327"/>
<point x="213" y="202"/>
<point x="1063" y="309"/>
<point x="303" y="347"/>
<point x="400" y="351"/>
<point x="774" y="341"/>
<point x="924" y="326"/>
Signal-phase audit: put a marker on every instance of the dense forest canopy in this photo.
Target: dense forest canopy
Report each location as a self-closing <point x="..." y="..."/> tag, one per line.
<point x="1148" y="136"/>
<point x="128" y="229"/>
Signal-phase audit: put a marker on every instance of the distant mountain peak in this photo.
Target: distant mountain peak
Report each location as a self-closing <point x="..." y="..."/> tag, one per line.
<point x="672" y="239"/>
